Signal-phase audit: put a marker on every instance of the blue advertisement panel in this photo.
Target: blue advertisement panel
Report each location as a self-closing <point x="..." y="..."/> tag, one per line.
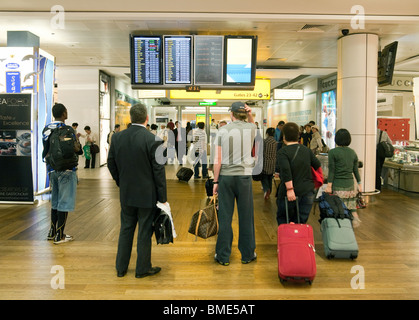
<point x="328" y="118"/>
<point x="16" y="183"/>
<point x="13" y="82"/>
<point x="44" y="112"/>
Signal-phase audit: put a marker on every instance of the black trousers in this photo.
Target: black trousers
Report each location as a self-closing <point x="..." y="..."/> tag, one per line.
<point x="130" y="217"/>
<point x="230" y="190"/>
<point x="93" y="160"/>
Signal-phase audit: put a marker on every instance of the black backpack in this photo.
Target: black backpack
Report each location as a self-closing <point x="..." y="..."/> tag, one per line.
<point x="63" y="149"/>
<point x="331" y="206"/>
<point x="162" y="227"/>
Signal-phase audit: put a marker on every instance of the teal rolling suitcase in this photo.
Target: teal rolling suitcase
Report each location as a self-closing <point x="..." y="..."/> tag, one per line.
<point x="339" y="238"/>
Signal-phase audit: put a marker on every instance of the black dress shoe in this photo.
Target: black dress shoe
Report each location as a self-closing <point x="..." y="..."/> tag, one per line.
<point x="121" y="273"/>
<point x="150" y="272"/>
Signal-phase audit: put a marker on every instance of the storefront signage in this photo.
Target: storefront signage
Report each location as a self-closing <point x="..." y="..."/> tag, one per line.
<point x="329" y="83"/>
<point x="400" y="84"/>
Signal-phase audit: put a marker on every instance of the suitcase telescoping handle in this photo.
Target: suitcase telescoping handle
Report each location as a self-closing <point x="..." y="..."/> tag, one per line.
<point x="286" y="209"/>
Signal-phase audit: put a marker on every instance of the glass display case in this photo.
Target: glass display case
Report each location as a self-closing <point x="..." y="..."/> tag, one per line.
<point x="403" y="168"/>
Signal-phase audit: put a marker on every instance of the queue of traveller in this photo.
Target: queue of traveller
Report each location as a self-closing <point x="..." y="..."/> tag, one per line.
<point x="141" y="177"/>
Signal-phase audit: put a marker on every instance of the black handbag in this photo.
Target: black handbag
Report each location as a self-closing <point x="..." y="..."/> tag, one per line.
<point x="162" y="227"/>
<point x="384" y="148"/>
<point x="94" y="148"/>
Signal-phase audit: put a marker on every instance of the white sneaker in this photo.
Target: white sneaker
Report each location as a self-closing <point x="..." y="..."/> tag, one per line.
<point x="66" y="238"/>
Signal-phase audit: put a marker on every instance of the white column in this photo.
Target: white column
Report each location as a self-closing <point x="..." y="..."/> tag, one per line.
<point x="357" y="98"/>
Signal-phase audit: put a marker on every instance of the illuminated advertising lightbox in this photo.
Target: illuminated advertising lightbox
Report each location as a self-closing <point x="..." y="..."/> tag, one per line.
<point x="328" y="118"/>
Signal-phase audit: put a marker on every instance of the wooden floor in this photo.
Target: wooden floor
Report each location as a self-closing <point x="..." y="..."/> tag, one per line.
<point x="388" y="241"/>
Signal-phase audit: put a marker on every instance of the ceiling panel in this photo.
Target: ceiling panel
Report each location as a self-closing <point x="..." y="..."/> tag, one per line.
<point x="103" y="41"/>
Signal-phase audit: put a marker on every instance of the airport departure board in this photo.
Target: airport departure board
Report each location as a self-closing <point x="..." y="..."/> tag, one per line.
<point x="208" y="60"/>
<point x="240" y="60"/>
<point x="178" y="59"/>
<point x="146" y="62"/>
<point x="193" y="62"/>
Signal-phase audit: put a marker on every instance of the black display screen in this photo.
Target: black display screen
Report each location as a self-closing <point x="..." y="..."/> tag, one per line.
<point x="177" y="59"/>
<point x="240" y="60"/>
<point x="146" y="61"/>
<point x="208" y="60"/>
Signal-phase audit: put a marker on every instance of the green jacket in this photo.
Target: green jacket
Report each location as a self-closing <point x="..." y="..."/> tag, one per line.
<point x="343" y="162"/>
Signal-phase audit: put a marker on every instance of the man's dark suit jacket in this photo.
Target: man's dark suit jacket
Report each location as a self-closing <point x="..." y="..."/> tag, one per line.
<point x="132" y="164"/>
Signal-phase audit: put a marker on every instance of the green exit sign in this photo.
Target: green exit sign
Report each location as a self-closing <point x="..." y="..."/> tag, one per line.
<point x="204" y="103"/>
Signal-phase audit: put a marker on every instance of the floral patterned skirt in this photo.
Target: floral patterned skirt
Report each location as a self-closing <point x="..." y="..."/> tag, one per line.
<point x="348" y="196"/>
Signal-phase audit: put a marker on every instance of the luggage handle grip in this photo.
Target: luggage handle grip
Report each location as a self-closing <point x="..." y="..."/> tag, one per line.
<point x="286" y="209"/>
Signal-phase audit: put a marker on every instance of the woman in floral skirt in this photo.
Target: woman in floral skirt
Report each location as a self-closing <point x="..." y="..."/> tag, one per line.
<point x="343" y="166"/>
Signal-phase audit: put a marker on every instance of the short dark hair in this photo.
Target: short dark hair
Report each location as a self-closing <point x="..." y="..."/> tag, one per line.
<point x="239" y="115"/>
<point x="58" y="110"/>
<point x="138" y="113"/>
<point x="343" y="138"/>
<point x="281" y="123"/>
<point x="291" y="131"/>
<point x="75" y="124"/>
<point x="117" y="126"/>
<point x="270" y="131"/>
<point x="201" y="125"/>
<point x="86" y="128"/>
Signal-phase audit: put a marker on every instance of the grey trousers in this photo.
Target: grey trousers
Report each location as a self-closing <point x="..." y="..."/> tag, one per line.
<point x="130" y="217"/>
<point x="230" y="189"/>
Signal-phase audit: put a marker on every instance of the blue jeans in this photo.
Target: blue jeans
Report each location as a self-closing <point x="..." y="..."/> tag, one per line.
<point x="305" y="204"/>
<point x="63" y="190"/>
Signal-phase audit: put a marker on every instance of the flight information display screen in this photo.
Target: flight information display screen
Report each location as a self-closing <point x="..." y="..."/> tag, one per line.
<point x="208" y="60"/>
<point x="146" y="60"/>
<point x="178" y="59"/>
<point x="240" y="60"/>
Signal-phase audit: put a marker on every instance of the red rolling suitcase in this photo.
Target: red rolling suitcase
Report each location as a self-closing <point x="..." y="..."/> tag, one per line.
<point x="296" y="253"/>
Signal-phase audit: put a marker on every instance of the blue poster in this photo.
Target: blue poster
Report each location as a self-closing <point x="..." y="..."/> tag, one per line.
<point x="13" y="82"/>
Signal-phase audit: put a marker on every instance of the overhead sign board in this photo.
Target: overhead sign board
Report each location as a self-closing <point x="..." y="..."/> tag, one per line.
<point x="288" y="94"/>
<point x="261" y="91"/>
<point x="149" y="94"/>
<point x="205" y="103"/>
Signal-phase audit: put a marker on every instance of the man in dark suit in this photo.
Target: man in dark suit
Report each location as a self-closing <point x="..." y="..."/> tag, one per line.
<point x="142" y="182"/>
<point x="180" y="141"/>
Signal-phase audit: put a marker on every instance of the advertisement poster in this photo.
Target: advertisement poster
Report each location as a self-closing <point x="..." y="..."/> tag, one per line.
<point x="328" y="129"/>
<point x="16" y="183"/>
